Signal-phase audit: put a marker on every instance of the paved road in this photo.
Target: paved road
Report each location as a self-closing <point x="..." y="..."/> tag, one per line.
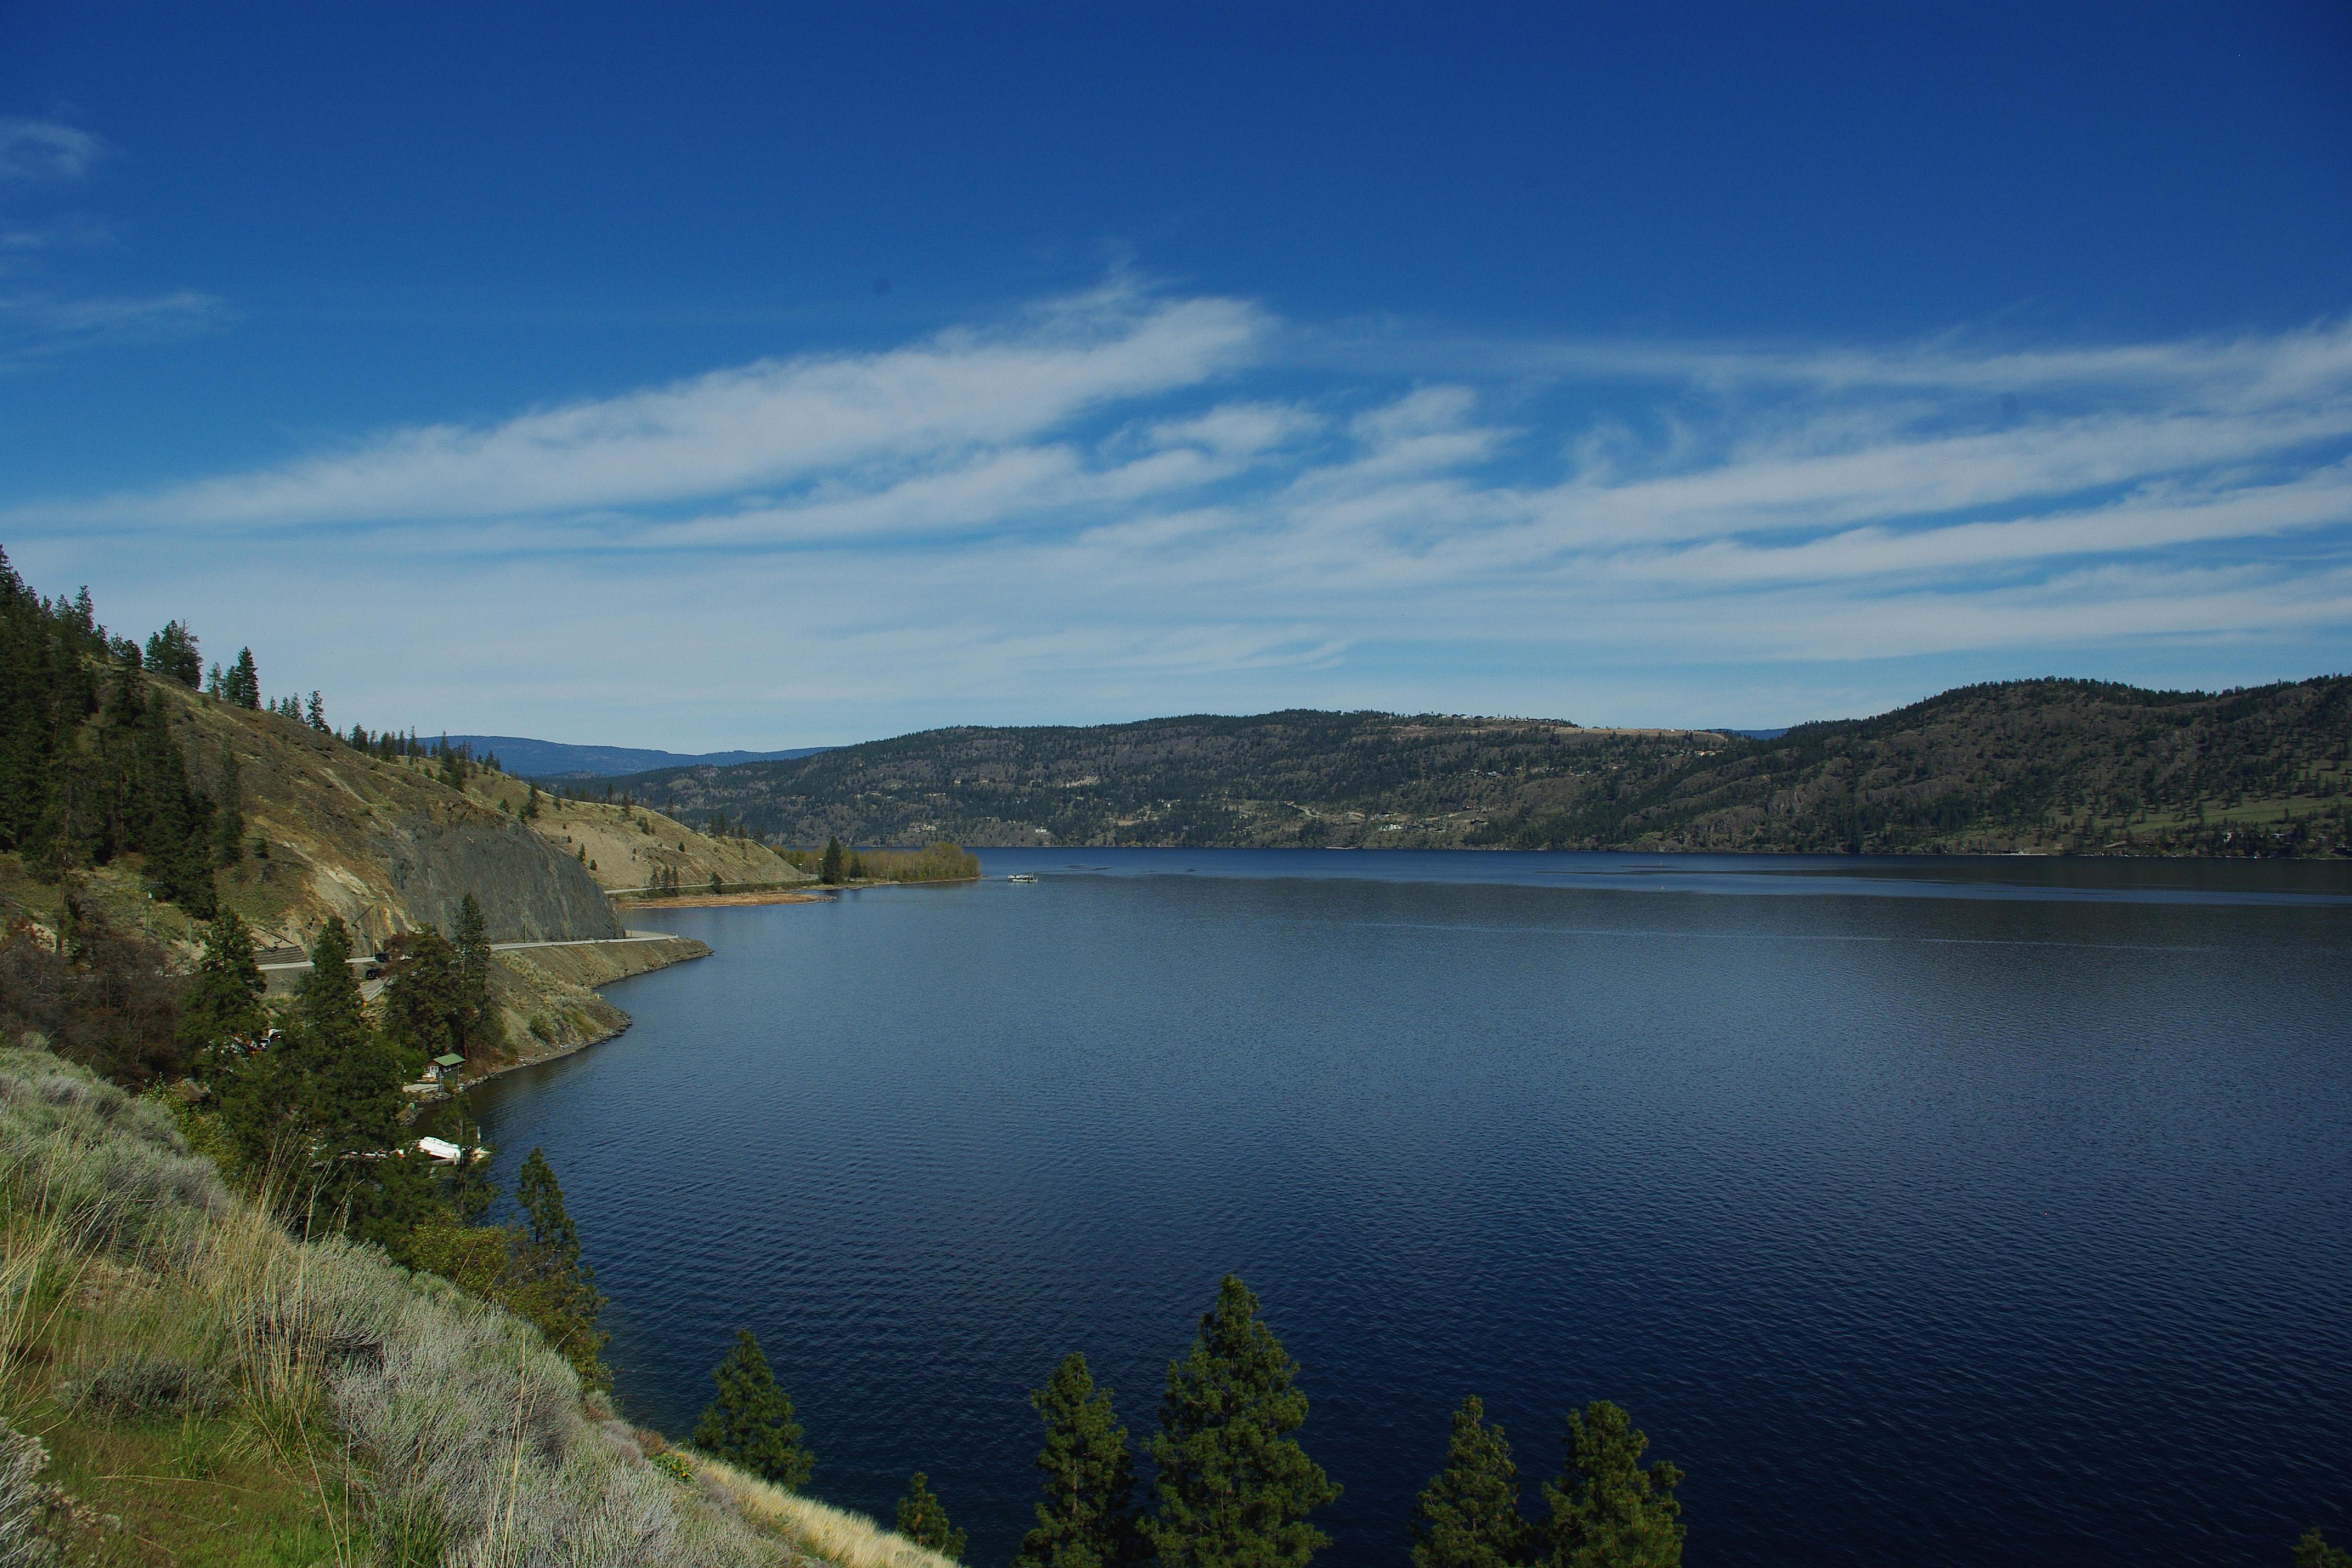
<point x="509" y="947"/>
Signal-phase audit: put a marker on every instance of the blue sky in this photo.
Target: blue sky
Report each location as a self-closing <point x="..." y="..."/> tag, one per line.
<point x="697" y="377"/>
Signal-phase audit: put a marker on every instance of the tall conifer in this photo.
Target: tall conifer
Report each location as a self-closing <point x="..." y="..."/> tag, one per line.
<point x="225" y="1000"/>
<point x="1087" y="1519"/>
<point x="751" y="1423"/>
<point x="560" y="1288"/>
<point x="1468" y="1515"/>
<point x="242" y="686"/>
<point x="477" y="1015"/>
<point x="228" y="826"/>
<point x="1235" y="1487"/>
<point x="1607" y="1512"/>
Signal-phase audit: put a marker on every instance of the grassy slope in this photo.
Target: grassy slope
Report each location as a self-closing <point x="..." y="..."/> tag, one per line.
<point x="207" y="1390"/>
<point x="2052" y="765"/>
<point x="628" y="847"/>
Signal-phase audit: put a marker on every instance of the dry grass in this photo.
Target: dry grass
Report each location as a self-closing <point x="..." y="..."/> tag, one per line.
<point x="170" y="1343"/>
<point x="831" y="1534"/>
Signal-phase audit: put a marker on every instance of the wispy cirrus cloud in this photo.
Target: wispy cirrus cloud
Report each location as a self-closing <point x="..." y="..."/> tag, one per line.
<point x="43" y="314"/>
<point x="1140" y="497"/>
<point x="46" y="151"/>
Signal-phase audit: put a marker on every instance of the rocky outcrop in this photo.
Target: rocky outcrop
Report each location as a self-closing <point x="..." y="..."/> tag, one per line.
<point x="528" y="893"/>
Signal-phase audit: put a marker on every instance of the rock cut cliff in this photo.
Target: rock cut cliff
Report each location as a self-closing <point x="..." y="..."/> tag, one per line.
<point x="386" y="844"/>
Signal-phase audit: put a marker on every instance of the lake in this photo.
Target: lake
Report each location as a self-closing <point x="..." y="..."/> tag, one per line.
<point x="1944" y="1211"/>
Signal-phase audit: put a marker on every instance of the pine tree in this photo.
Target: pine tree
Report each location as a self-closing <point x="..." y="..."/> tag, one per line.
<point x="228" y="827"/>
<point x="1235" y="1487"/>
<point x="315" y="715"/>
<point x="829" y="871"/>
<point x="1468" y="1515"/>
<point x="751" y="1423"/>
<point x="323" y="1109"/>
<point x="559" y="1290"/>
<point x="224" y="1002"/>
<point x="172" y="653"/>
<point x="1087" y="1519"/>
<point x="1607" y="1512"/>
<point x="242" y="686"/>
<point x="922" y="1520"/>
<point x="330" y="998"/>
<point x="477" y="1015"/>
<point x="531" y="804"/>
<point x="422" y="1010"/>
<point x="2312" y="1551"/>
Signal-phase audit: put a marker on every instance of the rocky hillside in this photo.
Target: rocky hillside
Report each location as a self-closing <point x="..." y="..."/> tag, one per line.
<point x="387" y="845"/>
<point x="1292" y="778"/>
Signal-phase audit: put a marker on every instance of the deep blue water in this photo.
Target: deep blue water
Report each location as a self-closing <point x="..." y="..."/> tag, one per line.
<point x="1929" y="1212"/>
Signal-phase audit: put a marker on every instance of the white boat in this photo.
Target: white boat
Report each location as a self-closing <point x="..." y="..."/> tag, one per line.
<point x="1021" y="877"/>
<point x="441" y="1148"/>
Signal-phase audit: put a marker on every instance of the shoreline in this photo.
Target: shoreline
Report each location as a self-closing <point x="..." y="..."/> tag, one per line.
<point x="723" y="901"/>
<point x="566" y="977"/>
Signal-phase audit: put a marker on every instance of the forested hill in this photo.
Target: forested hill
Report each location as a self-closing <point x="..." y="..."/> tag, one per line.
<point x="1298" y="777"/>
<point x="2072" y="766"/>
<point x="2048" y="764"/>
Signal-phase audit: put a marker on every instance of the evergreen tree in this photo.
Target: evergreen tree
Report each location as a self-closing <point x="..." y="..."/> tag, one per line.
<point x="224" y="999"/>
<point x="329" y="998"/>
<point x="2312" y="1551"/>
<point x="557" y="1288"/>
<point x="1607" y="1512"/>
<point x="1468" y="1515"/>
<point x="228" y="826"/>
<point x="316" y="714"/>
<point x="829" y="869"/>
<point x="161" y="814"/>
<point x="1087" y="1519"/>
<point x="477" y="1015"/>
<point x="531" y="804"/>
<point x="215" y="686"/>
<point x="319" y="1113"/>
<point x="172" y="654"/>
<point x="242" y="686"/>
<point x="751" y="1423"/>
<point x="922" y="1520"/>
<point x="1235" y="1487"/>
<point x="423" y="1010"/>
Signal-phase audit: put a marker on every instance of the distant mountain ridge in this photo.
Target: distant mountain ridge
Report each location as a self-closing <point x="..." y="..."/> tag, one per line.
<point x="527" y="758"/>
<point x="2048" y="766"/>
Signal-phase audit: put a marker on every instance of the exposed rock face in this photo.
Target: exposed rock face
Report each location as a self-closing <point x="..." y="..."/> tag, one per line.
<point x="384" y="845"/>
<point x="528" y="892"/>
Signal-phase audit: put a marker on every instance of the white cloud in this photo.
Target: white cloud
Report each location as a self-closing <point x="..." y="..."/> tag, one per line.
<point x="840" y="418"/>
<point x="1123" y="503"/>
<point x="35" y="151"/>
<point x="32" y="325"/>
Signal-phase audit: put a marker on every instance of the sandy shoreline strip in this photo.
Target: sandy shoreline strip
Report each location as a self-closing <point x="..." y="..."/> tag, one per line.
<point x="714" y="901"/>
